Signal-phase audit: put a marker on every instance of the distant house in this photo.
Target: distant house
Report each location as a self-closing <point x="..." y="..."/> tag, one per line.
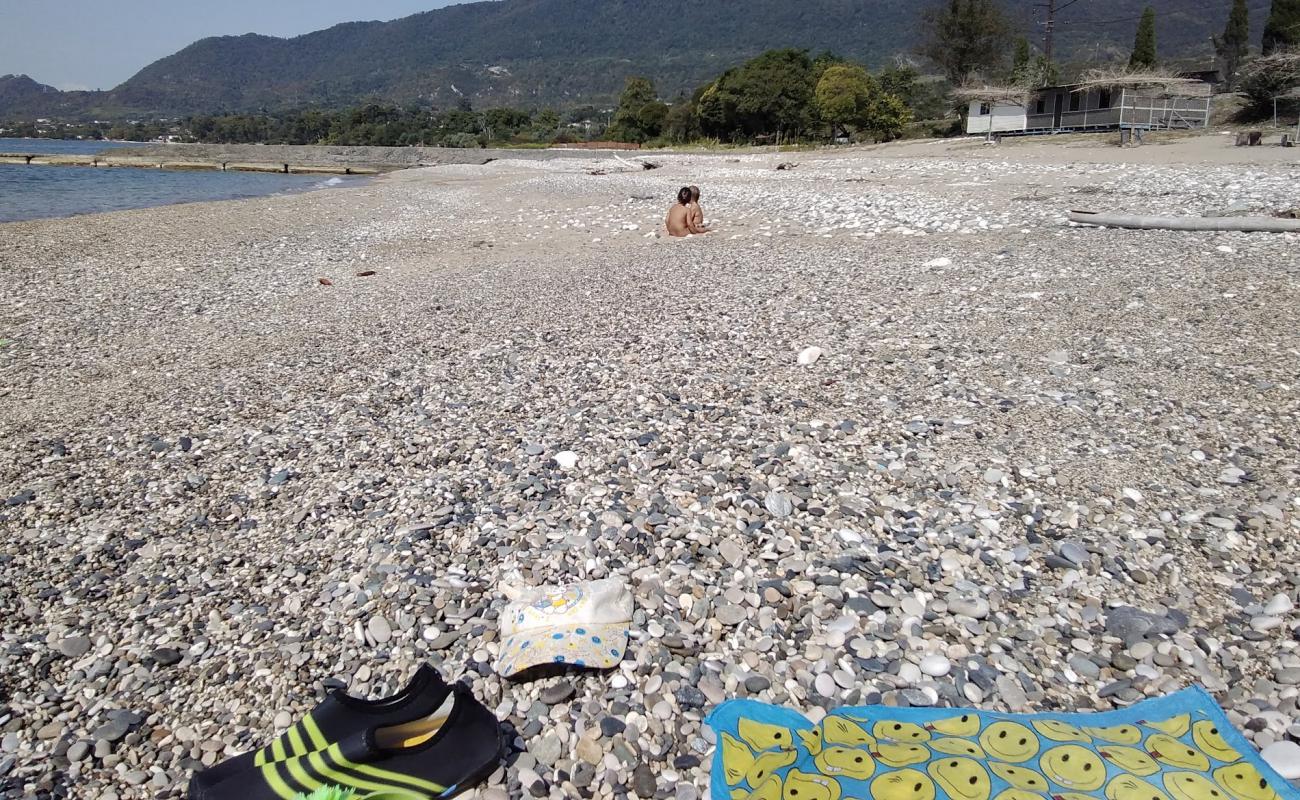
<point x="1074" y="108"/>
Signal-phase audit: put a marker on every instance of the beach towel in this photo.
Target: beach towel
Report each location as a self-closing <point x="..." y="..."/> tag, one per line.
<point x="1179" y="747"/>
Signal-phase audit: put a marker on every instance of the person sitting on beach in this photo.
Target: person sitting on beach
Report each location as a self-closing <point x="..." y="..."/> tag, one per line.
<point x="697" y="211"/>
<point x="680" y="222"/>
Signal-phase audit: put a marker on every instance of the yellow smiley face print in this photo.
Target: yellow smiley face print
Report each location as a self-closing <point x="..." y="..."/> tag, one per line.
<point x="1244" y="782"/>
<point x="1207" y="737"/>
<point x="1073" y="767"/>
<point x="1129" y="759"/>
<point x="1168" y="750"/>
<point x="905" y="784"/>
<point x="1009" y="741"/>
<point x="845" y="762"/>
<point x="1193" y="786"/>
<point x="1020" y="777"/>
<point x="962" y="778"/>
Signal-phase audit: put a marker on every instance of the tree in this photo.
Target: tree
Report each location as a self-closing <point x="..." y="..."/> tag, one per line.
<point x="1144" y="44"/>
<point x="1233" y="47"/>
<point x="1282" y="31"/>
<point x="889" y="116"/>
<point x="844" y="96"/>
<point x="965" y="37"/>
<point x="847" y="96"/>
<point x="770" y="94"/>
<point x="640" y="115"/>
<point x="1020" y="62"/>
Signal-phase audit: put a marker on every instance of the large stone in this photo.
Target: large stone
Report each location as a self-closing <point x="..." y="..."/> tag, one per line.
<point x="73" y="646"/>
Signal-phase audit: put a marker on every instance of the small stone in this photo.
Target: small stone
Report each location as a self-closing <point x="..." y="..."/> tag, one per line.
<point x="935" y="666"/>
<point x="1073" y="552"/>
<point x="688" y="697"/>
<point x="643" y="781"/>
<point x="567" y="459"/>
<point x="973" y="607"/>
<point x="757" y="683"/>
<point x="1284" y="757"/>
<point x="166" y="656"/>
<point x="938" y="263"/>
<point x="778" y="505"/>
<point x="1266" y="623"/>
<point x="1279" y="605"/>
<point x="825" y="685"/>
<point x="809" y="355"/>
<point x="73" y="646"/>
<point x="918" y="698"/>
<point x="611" y="727"/>
<point x="379" y="629"/>
<point x="112" y="731"/>
<point x="1287" y="677"/>
<point x="730" y="614"/>
<point x="78" y="750"/>
<point x="731" y="552"/>
<point x="546" y="749"/>
<point x="589" y="751"/>
<point x="561" y="692"/>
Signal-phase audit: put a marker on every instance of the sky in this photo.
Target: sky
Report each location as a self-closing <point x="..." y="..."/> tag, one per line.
<point x="91" y="44"/>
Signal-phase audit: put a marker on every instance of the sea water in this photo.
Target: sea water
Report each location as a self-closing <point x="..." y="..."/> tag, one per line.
<point x="37" y="192"/>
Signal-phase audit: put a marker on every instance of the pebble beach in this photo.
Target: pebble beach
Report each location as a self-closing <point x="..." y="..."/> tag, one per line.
<point x="896" y="433"/>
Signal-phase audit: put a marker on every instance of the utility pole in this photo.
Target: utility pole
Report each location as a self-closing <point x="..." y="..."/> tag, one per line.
<point x="1049" y="35"/>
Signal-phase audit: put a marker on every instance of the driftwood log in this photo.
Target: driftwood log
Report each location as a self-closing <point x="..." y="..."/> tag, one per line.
<point x="1150" y="223"/>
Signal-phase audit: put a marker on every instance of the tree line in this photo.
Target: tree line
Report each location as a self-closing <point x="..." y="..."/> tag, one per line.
<point x="779" y="96"/>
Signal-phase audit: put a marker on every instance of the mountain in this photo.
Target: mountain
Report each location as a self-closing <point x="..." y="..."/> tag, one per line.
<point x="20" y="91"/>
<point x="565" y="52"/>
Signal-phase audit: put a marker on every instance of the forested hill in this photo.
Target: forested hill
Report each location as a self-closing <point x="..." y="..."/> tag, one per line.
<point x="565" y="52"/>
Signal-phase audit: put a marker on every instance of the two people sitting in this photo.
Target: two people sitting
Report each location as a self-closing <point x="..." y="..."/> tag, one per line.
<point x="686" y="217"/>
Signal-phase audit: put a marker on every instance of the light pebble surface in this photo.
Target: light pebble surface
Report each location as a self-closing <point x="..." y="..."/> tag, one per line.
<point x="1034" y="466"/>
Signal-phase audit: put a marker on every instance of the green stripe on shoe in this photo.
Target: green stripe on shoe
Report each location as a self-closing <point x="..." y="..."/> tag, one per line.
<point x="296" y="745"/>
<point x="318" y="740"/>
<point x="271" y="774"/>
<point x="382" y="774"/>
<point x="324" y="769"/>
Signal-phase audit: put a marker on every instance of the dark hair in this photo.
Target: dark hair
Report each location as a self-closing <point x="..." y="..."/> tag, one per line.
<point x="684" y="196"/>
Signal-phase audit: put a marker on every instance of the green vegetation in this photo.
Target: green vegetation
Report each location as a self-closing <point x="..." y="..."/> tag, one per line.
<point x="641" y="116"/>
<point x="1234" y="45"/>
<point x="390" y="126"/>
<point x="1032" y="69"/>
<point x="847" y="97"/>
<point x="966" y="37"/>
<point x="1282" y="31"/>
<point x="781" y="97"/>
<point x="1144" y="43"/>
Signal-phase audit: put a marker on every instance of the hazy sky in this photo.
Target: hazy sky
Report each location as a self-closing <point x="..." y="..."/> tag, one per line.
<point x="80" y="44"/>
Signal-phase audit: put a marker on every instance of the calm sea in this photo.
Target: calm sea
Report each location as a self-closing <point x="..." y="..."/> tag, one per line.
<point x="40" y="192"/>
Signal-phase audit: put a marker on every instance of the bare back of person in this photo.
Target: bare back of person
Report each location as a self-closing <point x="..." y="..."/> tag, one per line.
<point x="679" y="220"/>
